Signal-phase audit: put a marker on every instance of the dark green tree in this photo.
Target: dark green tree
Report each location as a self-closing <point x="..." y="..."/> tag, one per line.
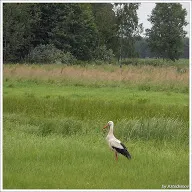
<point x="105" y="21"/>
<point x="165" y="38"/>
<point x="68" y="26"/>
<point x="18" y="23"/>
<point x="129" y="28"/>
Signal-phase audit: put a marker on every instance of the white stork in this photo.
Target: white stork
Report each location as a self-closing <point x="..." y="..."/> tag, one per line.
<point x="114" y="143"/>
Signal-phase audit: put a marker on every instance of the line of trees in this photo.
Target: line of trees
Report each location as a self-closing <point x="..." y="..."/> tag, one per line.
<point x="66" y="32"/>
<point x="143" y="50"/>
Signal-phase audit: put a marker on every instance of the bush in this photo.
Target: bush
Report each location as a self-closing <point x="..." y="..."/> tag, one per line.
<point x="103" y="54"/>
<point x="49" y="54"/>
<point x="68" y="58"/>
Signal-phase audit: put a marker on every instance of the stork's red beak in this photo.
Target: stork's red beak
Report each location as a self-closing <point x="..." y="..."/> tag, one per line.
<point x="105" y="126"/>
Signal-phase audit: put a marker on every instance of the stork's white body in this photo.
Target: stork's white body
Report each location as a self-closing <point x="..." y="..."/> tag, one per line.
<point x="112" y="140"/>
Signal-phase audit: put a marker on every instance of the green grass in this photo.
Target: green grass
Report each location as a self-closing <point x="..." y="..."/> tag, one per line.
<point x="114" y="94"/>
<point x="84" y="162"/>
<point x="53" y="136"/>
<point x="170" y="78"/>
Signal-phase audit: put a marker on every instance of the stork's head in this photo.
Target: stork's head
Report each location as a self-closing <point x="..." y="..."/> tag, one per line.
<point x="109" y="124"/>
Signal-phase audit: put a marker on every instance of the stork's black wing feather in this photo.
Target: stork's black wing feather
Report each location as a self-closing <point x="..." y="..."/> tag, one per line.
<point x="123" y="151"/>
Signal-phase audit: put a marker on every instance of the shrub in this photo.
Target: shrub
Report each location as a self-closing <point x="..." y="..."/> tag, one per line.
<point x="49" y="54"/>
<point x="68" y="58"/>
<point x="103" y="54"/>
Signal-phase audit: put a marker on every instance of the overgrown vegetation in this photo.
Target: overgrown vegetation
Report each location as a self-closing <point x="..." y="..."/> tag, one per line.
<point x="136" y="74"/>
<point x="53" y="127"/>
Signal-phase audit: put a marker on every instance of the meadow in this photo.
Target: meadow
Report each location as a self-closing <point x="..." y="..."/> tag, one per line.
<point x="53" y="118"/>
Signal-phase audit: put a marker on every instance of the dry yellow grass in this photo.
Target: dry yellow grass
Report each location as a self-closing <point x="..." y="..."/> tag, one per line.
<point x="129" y="74"/>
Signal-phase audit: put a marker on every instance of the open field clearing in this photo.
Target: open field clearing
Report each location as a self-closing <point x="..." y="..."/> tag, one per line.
<point x="147" y="78"/>
<point x="53" y="117"/>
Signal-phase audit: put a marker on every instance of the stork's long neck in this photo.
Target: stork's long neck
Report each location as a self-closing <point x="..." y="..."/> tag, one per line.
<point x="110" y="130"/>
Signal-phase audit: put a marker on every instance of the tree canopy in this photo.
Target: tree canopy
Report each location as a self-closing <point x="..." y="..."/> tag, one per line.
<point x="90" y="31"/>
<point x="129" y="28"/>
<point x="166" y="36"/>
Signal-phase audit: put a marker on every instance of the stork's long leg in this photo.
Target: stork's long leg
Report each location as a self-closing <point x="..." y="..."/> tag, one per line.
<point x="116" y="156"/>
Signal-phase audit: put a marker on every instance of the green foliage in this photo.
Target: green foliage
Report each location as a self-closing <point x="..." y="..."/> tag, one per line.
<point x="101" y="53"/>
<point x="89" y="31"/>
<point x="128" y="28"/>
<point x="75" y="31"/>
<point x="166" y="35"/>
<point x="68" y="58"/>
<point x="44" y="54"/>
<point x="143" y="50"/>
<point x="18" y="24"/>
<point x="105" y="20"/>
<point x="69" y="27"/>
<point x="49" y="54"/>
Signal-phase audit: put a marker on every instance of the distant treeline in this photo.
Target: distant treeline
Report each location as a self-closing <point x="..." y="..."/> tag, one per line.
<point x="66" y="32"/>
<point x="143" y="50"/>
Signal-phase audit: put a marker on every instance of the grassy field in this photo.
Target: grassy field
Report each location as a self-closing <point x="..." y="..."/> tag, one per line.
<point x="53" y="118"/>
